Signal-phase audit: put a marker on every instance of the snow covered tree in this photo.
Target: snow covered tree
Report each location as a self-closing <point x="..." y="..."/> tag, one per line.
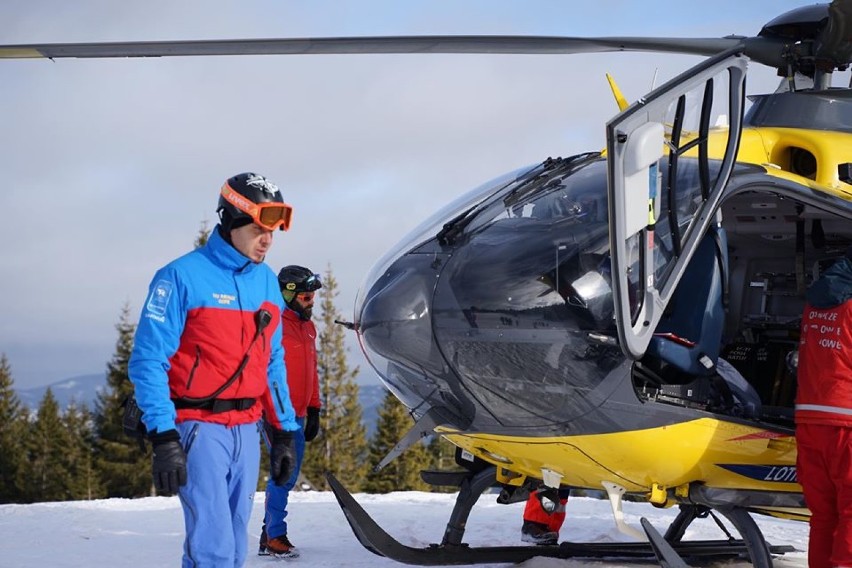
<point x="13" y="428"/>
<point x="124" y="468"/>
<point x="341" y="446"/>
<point x="402" y="473"/>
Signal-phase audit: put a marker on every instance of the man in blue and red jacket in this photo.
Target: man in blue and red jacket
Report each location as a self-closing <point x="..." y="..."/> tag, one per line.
<point x="207" y="362"/>
<point x="824" y="415"/>
<point x="298" y="287"/>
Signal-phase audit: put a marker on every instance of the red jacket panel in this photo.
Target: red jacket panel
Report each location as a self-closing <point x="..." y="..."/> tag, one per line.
<point x="824" y="373"/>
<point x="300" y="357"/>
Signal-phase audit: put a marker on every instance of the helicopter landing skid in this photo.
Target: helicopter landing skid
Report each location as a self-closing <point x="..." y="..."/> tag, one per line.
<point x="453" y="552"/>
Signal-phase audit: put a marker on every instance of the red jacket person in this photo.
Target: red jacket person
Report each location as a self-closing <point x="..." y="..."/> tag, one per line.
<point x="298" y="287"/>
<point x="824" y="415"/>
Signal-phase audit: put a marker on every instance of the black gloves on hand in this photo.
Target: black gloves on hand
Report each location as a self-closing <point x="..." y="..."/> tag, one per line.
<point x="282" y="456"/>
<point x="312" y="423"/>
<point x="169" y="462"/>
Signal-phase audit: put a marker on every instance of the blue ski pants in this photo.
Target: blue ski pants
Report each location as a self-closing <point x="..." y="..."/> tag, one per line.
<point x="278" y="495"/>
<point x="222" y="465"/>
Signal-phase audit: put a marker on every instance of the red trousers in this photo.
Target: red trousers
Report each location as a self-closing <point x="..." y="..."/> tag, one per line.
<point x="824" y="469"/>
<point x="534" y="512"/>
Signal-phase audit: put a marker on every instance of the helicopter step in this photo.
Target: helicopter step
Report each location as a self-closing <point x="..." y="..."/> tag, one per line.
<point x="453" y="552"/>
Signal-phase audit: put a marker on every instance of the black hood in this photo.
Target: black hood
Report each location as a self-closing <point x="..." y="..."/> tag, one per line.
<point x="834" y="287"/>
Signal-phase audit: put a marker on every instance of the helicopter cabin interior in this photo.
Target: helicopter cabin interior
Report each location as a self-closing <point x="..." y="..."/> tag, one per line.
<point x="739" y="303"/>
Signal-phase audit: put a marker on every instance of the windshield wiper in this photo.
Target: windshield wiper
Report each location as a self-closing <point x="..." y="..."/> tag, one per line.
<point x="454" y="227"/>
<point x="552" y="167"/>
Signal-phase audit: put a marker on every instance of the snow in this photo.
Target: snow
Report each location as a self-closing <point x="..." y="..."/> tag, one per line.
<point x="149" y="532"/>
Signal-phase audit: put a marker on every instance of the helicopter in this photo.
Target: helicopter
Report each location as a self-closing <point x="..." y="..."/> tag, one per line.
<point x="618" y="320"/>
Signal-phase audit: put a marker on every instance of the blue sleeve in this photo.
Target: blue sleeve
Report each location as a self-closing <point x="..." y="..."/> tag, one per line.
<point x="277" y="378"/>
<point x="157" y="339"/>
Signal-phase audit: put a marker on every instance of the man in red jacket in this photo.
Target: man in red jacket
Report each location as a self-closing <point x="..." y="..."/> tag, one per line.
<point x="298" y="286"/>
<point x="824" y="415"/>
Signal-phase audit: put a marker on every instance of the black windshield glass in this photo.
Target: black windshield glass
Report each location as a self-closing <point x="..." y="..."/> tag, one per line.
<point x="526" y="299"/>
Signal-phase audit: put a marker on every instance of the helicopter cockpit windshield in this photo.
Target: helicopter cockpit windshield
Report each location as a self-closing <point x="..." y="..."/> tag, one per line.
<point x="518" y="278"/>
<point x="528" y="285"/>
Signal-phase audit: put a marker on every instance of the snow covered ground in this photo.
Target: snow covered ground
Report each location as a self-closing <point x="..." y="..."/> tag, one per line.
<point x="146" y="532"/>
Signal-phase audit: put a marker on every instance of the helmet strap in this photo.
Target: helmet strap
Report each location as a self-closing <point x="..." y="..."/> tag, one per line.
<point x="224" y="233"/>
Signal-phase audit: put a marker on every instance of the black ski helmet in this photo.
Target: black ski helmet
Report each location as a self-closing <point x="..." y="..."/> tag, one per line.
<point x="295" y="279"/>
<point x="239" y="200"/>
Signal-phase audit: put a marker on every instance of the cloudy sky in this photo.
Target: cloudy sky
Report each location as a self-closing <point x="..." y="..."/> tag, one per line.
<point x="109" y="167"/>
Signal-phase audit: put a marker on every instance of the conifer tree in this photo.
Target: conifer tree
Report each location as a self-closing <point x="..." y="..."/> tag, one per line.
<point x="45" y="476"/>
<point x="264" y="465"/>
<point x="123" y="467"/>
<point x="13" y="428"/>
<point x="203" y="235"/>
<point x="85" y="481"/>
<point x="403" y="472"/>
<point x="443" y="458"/>
<point x="340" y="447"/>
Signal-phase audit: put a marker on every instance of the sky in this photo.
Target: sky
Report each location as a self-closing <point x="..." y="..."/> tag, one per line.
<point x="110" y="167"/>
<point x="125" y="533"/>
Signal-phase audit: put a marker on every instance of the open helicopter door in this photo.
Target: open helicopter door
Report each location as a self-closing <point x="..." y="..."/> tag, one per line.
<point x="670" y="155"/>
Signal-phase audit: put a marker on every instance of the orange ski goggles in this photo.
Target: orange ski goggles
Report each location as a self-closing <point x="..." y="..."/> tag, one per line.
<point x="270" y="216"/>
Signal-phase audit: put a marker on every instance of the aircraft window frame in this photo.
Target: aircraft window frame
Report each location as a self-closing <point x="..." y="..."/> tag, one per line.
<point x="546" y="185"/>
<point x="430" y="226"/>
<point x="635" y="197"/>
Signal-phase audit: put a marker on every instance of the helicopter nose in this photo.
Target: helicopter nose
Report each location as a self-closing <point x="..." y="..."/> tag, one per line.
<point x="395" y="319"/>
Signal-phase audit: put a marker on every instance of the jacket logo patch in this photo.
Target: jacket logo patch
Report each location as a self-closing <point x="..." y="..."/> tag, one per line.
<point x="159" y="299"/>
<point x="224" y="299"/>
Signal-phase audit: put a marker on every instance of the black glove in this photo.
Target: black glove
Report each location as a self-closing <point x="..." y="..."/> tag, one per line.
<point x="169" y="462"/>
<point x="312" y="423"/>
<point x="282" y="456"/>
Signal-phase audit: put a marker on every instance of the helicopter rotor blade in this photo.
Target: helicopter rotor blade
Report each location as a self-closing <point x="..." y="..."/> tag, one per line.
<point x="372" y="45"/>
<point x="766" y="50"/>
<point x="825" y="27"/>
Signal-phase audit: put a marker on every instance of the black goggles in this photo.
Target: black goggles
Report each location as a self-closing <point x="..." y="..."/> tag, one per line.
<point x="311" y="283"/>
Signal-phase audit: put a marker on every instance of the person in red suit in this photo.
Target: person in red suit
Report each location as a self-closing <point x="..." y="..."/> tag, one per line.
<point x="824" y="415"/>
<point x="298" y="287"/>
<point x="543" y="517"/>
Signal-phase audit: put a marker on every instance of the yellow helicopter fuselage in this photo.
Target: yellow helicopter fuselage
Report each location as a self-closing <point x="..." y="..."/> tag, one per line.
<point x="658" y="463"/>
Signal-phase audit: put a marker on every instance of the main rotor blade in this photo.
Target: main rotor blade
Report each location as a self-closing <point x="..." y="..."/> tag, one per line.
<point x="373" y="45"/>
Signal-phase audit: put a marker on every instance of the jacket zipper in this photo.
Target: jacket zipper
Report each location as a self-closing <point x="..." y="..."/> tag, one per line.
<point x="194" y="367"/>
<point x="278" y="397"/>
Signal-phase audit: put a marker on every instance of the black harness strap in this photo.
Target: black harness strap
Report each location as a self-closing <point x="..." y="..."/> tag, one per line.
<point x="215" y="405"/>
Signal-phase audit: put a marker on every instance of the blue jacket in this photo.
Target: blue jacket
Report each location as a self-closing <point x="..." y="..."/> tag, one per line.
<point x="196" y="327"/>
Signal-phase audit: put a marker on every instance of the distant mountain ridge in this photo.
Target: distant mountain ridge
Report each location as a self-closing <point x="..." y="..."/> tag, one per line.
<point x="83" y="389"/>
